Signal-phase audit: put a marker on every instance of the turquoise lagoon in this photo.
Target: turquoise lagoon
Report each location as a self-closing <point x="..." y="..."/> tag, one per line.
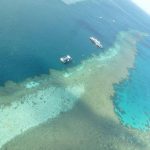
<point x="33" y="35"/>
<point x="132" y="96"/>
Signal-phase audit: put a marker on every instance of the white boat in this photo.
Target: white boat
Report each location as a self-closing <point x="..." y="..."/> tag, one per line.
<point x="96" y="42"/>
<point x="66" y="59"/>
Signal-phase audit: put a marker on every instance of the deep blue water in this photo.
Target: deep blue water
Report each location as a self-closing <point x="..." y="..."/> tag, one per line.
<point x="34" y="34"/>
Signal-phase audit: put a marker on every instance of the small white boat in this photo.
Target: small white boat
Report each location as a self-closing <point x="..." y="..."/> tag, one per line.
<point x="66" y="59"/>
<point x="96" y="42"/>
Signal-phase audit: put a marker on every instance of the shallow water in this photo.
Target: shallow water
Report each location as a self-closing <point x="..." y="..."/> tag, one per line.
<point x="132" y="98"/>
<point x="53" y="96"/>
<point x="71" y="106"/>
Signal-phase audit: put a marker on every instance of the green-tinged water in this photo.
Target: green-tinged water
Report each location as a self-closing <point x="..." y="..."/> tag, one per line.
<point x="44" y="98"/>
<point x="45" y="105"/>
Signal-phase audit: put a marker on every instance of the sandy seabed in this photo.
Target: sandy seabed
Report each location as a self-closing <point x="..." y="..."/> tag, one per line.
<point x="72" y="109"/>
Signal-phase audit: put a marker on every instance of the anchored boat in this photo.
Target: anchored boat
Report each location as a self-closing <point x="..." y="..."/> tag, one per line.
<point x="66" y="59"/>
<point x="96" y="42"/>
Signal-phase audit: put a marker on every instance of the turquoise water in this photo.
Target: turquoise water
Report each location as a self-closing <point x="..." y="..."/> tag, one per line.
<point x="133" y="95"/>
<point x="34" y="34"/>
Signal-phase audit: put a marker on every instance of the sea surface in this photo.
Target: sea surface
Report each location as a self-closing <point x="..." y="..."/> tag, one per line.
<point x="34" y="35"/>
<point x="37" y="89"/>
<point x="132" y="96"/>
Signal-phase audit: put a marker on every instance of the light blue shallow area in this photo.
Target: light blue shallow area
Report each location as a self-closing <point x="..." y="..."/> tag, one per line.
<point x="132" y="99"/>
<point x="34" y="34"/>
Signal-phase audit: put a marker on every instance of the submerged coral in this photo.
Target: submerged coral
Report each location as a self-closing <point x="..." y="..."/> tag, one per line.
<point x="92" y="120"/>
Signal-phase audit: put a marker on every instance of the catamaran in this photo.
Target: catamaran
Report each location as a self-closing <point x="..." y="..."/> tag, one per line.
<point x="66" y="59"/>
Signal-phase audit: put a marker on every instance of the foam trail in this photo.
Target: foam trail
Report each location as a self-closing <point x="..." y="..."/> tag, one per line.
<point x="34" y="109"/>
